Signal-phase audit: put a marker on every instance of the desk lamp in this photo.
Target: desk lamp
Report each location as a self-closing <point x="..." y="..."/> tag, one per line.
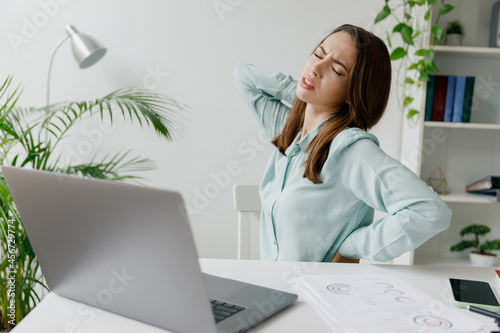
<point x="86" y="50"/>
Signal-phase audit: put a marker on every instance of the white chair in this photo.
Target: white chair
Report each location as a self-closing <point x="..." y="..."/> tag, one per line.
<point x="247" y="203"/>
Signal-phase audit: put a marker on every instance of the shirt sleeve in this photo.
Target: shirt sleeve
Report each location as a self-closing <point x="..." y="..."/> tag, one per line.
<point x="415" y="211"/>
<point x="263" y="90"/>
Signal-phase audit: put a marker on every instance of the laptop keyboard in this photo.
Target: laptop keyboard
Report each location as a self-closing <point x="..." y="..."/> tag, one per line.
<point x="223" y="310"/>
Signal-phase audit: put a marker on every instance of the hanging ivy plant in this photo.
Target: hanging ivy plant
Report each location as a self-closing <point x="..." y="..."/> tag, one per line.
<point x="412" y="51"/>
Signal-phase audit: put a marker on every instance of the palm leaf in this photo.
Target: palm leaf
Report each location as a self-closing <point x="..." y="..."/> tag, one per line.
<point x="111" y="169"/>
<point x="29" y="136"/>
<point x="155" y="109"/>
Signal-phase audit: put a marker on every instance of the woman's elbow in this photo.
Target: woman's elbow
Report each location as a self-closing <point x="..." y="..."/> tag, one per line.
<point x="439" y="214"/>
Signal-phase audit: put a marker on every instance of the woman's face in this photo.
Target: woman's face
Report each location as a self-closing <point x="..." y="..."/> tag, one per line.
<point x="323" y="81"/>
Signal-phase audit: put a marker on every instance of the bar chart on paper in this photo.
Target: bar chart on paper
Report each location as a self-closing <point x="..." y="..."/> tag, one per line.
<point x="379" y="303"/>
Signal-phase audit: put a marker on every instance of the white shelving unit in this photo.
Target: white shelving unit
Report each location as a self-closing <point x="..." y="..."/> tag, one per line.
<point x="464" y="197"/>
<point x="465" y="152"/>
<point x="475" y="50"/>
<point x="482" y="126"/>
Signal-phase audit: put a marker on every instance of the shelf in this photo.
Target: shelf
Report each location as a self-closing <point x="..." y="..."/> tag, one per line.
<point x="443" y="124"/>
<point x="470" y="50"/>
<point x="466" y="198"/>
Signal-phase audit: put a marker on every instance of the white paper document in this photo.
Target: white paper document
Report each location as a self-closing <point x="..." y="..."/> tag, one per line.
<point x="379" y="304"/>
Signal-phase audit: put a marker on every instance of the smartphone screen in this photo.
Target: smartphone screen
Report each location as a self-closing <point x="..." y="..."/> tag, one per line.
<point x="469" y="291"/>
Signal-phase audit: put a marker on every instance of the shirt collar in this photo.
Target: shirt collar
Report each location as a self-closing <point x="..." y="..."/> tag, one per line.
<point x="306" y="140"/>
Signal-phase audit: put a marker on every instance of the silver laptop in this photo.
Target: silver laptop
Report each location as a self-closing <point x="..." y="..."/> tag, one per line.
<point x="129" y="250"/>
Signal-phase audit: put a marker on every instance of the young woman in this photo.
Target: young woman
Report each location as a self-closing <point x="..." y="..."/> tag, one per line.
<point x="327" y="174"/>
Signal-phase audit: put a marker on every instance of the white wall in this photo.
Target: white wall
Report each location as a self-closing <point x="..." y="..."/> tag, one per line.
<point x="194" y="47"/>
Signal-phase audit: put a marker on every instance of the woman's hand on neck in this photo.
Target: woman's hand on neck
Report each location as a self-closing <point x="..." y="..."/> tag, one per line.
<point x="314" y="115"/>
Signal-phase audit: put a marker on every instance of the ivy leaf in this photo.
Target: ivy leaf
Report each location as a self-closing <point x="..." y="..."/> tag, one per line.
<point x="413" y="66"/>
<point x="444" y="8"/>
<point x="437" y="32"/>
<point x="420" y="52"/>
<point x="409" y="80"/>
<point x="386" y="11"/>
<point x="406" y="33"/>
<point x="411" y="3"/>
<point x="427" y="14"/>
<point x="407" y="16"/>
<point x="389" y="39"/>
<point x="407" y="101"/>
<point x="430" y="2"/>
<point x="398" y="53"/>
<point x="398" y="27"/>
<point x="411" y="113"/>
<point x="428" y="56"/>
<point x="424" y="76"/>
<point x="420" y="2"/>
<point x="432" y="68"/>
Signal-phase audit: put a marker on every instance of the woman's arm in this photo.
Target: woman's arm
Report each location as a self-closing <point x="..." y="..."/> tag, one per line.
<point x="263" y="89"/>
<point x="416" y="213"/>
<point x="338" y="258"/>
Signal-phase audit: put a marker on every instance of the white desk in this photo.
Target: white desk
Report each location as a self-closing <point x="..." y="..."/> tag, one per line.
<point x="59" y="315"/>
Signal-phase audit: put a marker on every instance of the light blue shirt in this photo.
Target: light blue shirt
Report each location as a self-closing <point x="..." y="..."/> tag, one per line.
<point x="303" y="221"/>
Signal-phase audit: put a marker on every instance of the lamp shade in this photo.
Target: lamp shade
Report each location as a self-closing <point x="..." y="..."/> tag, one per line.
<point x="87" y="50"/>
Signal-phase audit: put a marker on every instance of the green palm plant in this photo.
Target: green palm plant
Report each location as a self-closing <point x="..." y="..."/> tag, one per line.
<point x="30" y="137"/>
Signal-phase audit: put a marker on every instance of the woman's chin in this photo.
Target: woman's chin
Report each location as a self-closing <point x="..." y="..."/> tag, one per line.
<point x="303" y="95"/>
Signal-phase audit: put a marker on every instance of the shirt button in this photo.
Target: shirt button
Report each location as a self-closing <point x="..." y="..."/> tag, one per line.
<point x="296" y="149"/>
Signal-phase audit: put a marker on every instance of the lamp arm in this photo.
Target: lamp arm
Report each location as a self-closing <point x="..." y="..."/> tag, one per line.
<point x="50" y="65"/>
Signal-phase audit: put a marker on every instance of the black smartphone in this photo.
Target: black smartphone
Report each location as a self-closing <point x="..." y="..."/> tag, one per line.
<point x="475" y="293"/>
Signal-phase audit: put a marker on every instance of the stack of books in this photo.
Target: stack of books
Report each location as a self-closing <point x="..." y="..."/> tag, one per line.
<point x="496" y="278"/>
<point x="488" y="186"/>
<point x="449" y="98"/>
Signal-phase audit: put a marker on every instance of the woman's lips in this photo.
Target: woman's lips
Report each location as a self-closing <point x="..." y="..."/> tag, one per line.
<point x="307" y="83"/>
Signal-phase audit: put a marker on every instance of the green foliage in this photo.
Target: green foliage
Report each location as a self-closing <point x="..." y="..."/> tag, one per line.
<point x="476" y="230"/>
<point x="462" y="245"/>
<point x="29" y="138"/>
<point x="409" y="27"/>
<point x="454" y="27"/>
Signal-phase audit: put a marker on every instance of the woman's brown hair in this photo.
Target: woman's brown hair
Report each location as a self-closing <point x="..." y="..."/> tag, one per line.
<point x="368" y="87"/>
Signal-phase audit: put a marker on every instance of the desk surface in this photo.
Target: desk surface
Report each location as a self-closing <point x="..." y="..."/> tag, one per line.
<point x="57" y="315"/>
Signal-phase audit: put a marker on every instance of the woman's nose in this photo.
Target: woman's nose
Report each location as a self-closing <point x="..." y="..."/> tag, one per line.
<point x="317" y="69"/>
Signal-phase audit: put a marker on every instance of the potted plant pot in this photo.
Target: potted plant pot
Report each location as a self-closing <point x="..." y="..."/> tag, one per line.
<point x="454" y="33"/>
<point x="453" y="40"/>
<point x="487" y="259"/>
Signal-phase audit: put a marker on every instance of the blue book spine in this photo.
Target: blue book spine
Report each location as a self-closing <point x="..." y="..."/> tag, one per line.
<point x="458" y="105"/>
<point x="450" y="98"/>
<point x="430" y="97"/>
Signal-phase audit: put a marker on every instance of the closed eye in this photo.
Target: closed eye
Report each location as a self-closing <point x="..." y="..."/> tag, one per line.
<point x="336" y="72"/>
<point x="317" y="56"/>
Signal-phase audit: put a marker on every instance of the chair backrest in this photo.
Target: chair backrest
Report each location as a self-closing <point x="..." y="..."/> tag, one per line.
<point x="247" y="203"/>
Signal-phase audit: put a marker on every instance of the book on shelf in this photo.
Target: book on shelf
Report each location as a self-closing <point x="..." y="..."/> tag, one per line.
<point x="458" y="104"/>
<point x="440" y="87"/>
<point x="449" y="98"/>
<point x="491" y="194"/>
<point x="486" y="183"/>
<point x="430" y="97"/>
<point x="469" y="94"/>
<point x="496" y="278"/>
<point x="450" y="93"/>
